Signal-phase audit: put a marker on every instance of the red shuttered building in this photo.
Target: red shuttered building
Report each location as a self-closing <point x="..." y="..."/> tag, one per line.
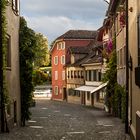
<point x="60" y="58"/>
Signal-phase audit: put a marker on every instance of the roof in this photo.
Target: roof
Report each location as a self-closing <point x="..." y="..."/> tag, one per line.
<point x="95" y="45"/>
<point x="113" y="6"/>
<point x="91" y="56"/>
<point x="78" y="34"/>
<point x="78" y="50"/>
<point x="93" y="59"/>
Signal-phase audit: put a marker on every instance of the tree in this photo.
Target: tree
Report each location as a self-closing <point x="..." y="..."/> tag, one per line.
<point x="42" y="56"/>
<point x="27" y="46"/>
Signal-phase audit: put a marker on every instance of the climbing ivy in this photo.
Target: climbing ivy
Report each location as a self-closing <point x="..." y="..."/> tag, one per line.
<point x="115" y="94"/>
<point x="27" y="55"/>
<point x="4" y="49"/>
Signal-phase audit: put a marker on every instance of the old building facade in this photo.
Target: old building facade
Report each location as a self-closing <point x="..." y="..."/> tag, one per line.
<point x="12" y="73"/>
<point x="134" y="72"/>
<point x="128" y="37"/>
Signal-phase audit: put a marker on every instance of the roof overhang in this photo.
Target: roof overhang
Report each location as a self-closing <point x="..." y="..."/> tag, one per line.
<point x="91" y="89"/>
<point x="56" y="41"/>
<point x="99" y="87"/>
<point x="86" y="88"/>
<point x="92" y="64"/>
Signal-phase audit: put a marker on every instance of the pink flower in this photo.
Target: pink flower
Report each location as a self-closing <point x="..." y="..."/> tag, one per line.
<point x="109" y="46"/>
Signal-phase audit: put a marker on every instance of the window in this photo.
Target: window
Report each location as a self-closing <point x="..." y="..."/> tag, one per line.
<point x="88" y="96"/>
<point x="89" y="75"/>
<point x="118" y="59"/>
<point x="139" y="41"/>
<point x="71" y="74"/>
<point x="99" y="76"/>
<point x="56" y="60"/>
<point x="56" y="90"/>
<point x="92" y="75"/>
<point x="124" y="56"/>
<point x="63" y="59"/>
<point x="60" y="91"/>
<point x="63" y="45"/>
<point x="59" y="46"/>
<point x="68" y="74"/>
<point x="15" y="6"/>
<point x="63" y="75"/>
<point x="56" y="75"/>
<point x="75" y="74"/>
<point x="121" y="60"/>
<point x="82" y="74"/>
<point x="8" y="56"/>
<point x="95" y="75"/>
<point x="77" y="93"/>
<point x="78" y="74"/>
<point x="71" y="91"/>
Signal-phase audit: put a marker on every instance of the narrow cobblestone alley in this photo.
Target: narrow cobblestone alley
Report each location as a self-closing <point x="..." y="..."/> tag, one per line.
<point x="52" y="120"/>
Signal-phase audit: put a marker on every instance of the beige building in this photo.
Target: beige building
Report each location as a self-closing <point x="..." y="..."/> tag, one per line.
<point x="118" y="12"/>
<point x="75" y="73"/>
<point x="12" y="67"/>
<point x="84" y="75"/>
<point x="94" y="95"/>
<point x="134" y="74"/>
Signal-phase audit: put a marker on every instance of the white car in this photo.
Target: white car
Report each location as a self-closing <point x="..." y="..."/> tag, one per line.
<point x="46" y="93"/>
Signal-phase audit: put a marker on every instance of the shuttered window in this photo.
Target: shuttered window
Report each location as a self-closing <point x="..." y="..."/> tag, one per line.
<point x="8" y="51"/>
<point x="15" y="6"/>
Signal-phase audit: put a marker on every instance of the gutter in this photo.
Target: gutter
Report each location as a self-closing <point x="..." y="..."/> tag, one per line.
<point x="127" y="69"/>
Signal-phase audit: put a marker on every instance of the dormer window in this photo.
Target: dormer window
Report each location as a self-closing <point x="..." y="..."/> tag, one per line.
<point x="63" y="45"/>
<point x="59" y="46"/>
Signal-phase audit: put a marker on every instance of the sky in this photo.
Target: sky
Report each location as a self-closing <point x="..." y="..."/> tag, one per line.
<point x="52" y="18"/>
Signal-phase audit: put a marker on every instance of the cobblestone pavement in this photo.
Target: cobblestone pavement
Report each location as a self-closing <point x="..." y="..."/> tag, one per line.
<point x="52" y="120"/>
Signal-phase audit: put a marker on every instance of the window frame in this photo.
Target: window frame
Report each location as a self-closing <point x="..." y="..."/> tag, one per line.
<point x="63" y="75"/>
<point x="8" y="52"/>
<point x="56" y="89"/>
<point x="56" y="75"/>
<point x="63" y="45"/>
<point x="138" y="40"/>
<point x="55" y="58"/>
<point x="63" y="59"/>
<point x="88" y="95"/>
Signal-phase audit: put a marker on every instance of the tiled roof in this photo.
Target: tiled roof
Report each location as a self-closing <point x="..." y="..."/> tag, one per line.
<point x="79" y="50"/>
<point x="95" y="45"/>
<point x="78" y="34"/>
<point x="93" y="59"/>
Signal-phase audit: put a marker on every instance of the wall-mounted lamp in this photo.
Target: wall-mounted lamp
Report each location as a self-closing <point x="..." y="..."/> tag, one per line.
<point x="131" y="9"/>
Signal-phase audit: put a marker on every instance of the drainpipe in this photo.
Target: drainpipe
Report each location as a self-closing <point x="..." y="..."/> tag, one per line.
<point x="1" y="73"/>
<point x="127" y="69"/>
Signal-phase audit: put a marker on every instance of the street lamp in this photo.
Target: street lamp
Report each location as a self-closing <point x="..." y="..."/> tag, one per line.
<point x="127" y="68"/>
<point x="107" y="1"/>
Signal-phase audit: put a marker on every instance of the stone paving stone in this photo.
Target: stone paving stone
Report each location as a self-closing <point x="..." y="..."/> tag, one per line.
<point x="52" y="120"/>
